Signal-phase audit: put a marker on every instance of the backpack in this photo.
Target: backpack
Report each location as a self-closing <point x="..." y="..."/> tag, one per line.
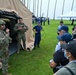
<point x="69" y="70"/>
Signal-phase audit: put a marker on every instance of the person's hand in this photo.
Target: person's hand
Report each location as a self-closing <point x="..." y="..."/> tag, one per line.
<point x="54" y="74"/>
<point x="19" y="28"/>
<point x="0" y="65"/>
<point x="35" y="31"/>
<point x="75" y="30"/>
<point x="7" y="30"/>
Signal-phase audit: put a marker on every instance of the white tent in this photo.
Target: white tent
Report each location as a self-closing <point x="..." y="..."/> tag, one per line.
<point x="70" y="14"/>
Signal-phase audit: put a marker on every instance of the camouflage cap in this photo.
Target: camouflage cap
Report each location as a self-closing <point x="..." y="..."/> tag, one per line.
<point x="2" y="22"/>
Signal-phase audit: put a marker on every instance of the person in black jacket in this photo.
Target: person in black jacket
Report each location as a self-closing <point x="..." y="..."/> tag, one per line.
<point x="59" y="60"/>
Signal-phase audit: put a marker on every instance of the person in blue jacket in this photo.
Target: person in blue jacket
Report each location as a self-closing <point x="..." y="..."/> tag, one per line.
<point x="37" y="29"/>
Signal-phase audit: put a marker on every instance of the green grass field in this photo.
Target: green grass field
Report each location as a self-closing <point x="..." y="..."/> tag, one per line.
<point x="36" y="62"/>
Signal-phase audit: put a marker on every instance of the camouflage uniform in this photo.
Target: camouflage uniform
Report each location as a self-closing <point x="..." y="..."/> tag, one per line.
<point x="21" y="34"/>
<point x="4" y="43"/>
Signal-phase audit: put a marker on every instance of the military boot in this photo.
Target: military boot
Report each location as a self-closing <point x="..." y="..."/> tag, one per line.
<point x="25" y="48"/>
<point x="7" y="74"/>
<point x="8" y="66"/>
<point x="18" y="51"/>
<point x="38" y="46"/>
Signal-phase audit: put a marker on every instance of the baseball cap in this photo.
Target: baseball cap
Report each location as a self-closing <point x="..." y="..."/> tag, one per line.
<point x="2" y="22"/>
<point x="65" y="28"/>
<point x="71" y="47"/>
<point x="65" y="37"/>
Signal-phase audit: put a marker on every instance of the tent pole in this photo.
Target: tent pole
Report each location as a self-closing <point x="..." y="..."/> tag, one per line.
<point x="24" y="2"/>
<point x="37" y="7"/>
<point x="63" y="7"/>
<point x="29" y="4"/>
<point x="55" y="9"/>
<point x="72" y="5"/>
<point x="48" y="8"/>
<point x="33" y="6"/>
<point x="40" y="8"/>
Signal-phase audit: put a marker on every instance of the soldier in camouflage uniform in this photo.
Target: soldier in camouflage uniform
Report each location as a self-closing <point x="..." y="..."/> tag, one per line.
<point x="21" y="28"/>
<point x="4" y="43"/>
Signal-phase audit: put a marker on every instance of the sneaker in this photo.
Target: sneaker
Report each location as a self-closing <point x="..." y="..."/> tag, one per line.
<point x="34" y="48"/>
<point x="38" y="46"/>
<point x="28" y="49"/>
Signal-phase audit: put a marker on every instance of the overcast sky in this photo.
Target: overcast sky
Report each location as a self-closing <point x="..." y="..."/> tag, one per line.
<point x="47" y="7"/>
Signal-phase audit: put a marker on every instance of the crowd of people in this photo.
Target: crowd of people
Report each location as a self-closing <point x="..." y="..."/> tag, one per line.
<point x="42" y="20"/>
<point x="64" y="57"/>
<point x="5" y="39"/>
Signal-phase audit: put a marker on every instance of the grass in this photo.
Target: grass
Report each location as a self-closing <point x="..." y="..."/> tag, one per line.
<point x="36" y="62"/>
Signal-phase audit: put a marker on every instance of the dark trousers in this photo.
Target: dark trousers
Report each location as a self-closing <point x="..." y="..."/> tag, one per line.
<point x="37" y="40"/>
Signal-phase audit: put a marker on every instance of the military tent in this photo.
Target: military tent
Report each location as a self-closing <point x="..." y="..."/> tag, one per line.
<point x="10" y="10"/>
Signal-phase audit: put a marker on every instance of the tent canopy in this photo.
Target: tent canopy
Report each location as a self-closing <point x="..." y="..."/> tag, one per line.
<point x="70" y="14"/>
<point x="18" y="7"/>
<point x="8" y="14"/>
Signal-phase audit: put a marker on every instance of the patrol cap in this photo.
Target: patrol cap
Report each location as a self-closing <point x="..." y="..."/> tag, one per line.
<point x="2" y="22"/>
<point x="65" y="37"/>
<point x="70" y="47"/>
<point x="65" y="28"/>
